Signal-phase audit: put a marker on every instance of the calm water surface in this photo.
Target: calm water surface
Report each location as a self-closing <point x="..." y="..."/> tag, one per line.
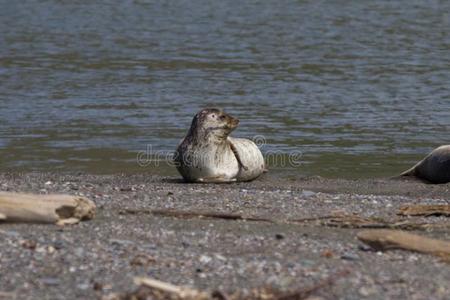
<point x="360" y="88"/>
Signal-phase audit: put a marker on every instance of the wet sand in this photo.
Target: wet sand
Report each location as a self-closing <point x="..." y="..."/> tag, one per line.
<point x="96" y="258"/>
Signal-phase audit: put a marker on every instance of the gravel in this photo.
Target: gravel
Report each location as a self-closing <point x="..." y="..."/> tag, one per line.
<point x="96" y="258"/>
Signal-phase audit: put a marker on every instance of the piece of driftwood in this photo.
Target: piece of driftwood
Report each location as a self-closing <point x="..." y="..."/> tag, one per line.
<point x="194" y="214"/>
<point x="425" y="210"/>
<point x="345" y="221"/>
<point x="59" y="209"/>
<point x="355" y="221"/>
<point x="384" y="239"/>
<point x="178" y="291"/>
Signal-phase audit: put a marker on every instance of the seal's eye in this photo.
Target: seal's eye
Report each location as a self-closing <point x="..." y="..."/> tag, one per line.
<point x="213" y="116"/>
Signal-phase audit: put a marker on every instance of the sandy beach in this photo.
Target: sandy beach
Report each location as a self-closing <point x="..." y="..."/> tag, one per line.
<point x="99" y="258"/>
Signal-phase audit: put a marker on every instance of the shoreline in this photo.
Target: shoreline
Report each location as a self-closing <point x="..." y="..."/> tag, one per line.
<point x="96" y="258"/>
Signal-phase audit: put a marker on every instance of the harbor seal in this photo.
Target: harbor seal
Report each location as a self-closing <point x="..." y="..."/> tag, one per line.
<point x="208" y="154"/>
<point x="434" y="168"/>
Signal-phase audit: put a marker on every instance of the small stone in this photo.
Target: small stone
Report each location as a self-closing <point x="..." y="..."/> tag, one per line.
<point x="327" y="253"/>
<point x="220" y="257"/>
<point x="28" y="244"/>
<point x="41" y="249"/>
<point x="83" y="286"/>
<point x="307" y="193"/>
<point x="50" y="281"/>
<point x="58" y="245"/>
<point x="349" y="256"/>
<point x="121" y="242"/>
<point x="413" y="258"/>
<point x="142" y="260"/>
<point x="79" y="252"/>
<point x="97" y="286"/>
<point x="366" y="291"/>
<point x="205" y="259"/>
<point x="279" y="236"/>
<point x="366" y="248"/>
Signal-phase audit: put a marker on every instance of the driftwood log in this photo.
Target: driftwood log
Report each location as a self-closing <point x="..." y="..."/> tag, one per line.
<point x="178" y="291"/>
<point x="59" y="209"/>
<point x="425" y="210"/>
<point x="384" y="239"/>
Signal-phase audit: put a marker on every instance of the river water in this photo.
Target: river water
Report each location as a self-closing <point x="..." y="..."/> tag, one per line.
<point x="352" y="88"/>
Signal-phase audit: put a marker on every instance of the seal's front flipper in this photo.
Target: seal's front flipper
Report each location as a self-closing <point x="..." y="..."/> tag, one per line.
<point x="238" y="158"/>
<point x="412" y="172"/>
<point x="409" y="172"/>
<point x="216" y="179"/>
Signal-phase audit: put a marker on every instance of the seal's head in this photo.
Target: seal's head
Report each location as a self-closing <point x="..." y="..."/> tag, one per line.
<point x="213" y="123"/>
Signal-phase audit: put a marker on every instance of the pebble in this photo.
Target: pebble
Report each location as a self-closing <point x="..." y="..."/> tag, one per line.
<point x="279" y="236"/>
<point x="205" y="259"/>
<point x="366" y="291"/>
<point x="50" y="281"/>
<point x="121" y="242"/>
<point x="83" y="286"/>
<point x="306" y="193"/>
<point x="349" y="256"/>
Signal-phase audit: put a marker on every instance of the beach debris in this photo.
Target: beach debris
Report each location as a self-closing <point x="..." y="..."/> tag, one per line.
<point x="58" y="209"/>
<point x="149" y="288"/>
<point x="384" y="239"/>
<point x="180" y="292"/>
<point x="425" y="210"/>
<point x="194" y="214"/>
<point x="342" y="220"/>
